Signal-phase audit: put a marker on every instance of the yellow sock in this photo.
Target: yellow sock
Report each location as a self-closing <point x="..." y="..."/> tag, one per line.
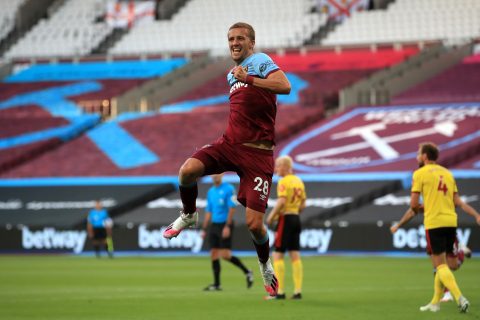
<point x="437" y="289"/>
<point x="448" y="279"/>
<point x="110" y="244"/>
<point x="297" y="268"/>
<point x="279" y="267"/>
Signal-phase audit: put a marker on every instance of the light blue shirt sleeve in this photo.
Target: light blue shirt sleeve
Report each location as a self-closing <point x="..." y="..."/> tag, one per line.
<point x="263" y="65"/>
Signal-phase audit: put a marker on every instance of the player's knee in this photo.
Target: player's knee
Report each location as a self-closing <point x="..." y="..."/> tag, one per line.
<point x="187" y="174"/>
<point x="255" y="226"/>
<point x="453" y="265"/>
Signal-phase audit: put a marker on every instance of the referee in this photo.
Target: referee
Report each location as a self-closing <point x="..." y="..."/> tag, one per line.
<point x="219" y="214"/>
<point x="99" y="228"/>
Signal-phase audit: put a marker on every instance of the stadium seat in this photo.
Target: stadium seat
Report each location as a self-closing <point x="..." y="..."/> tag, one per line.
<point x="410" y="21"/>
<point x="456" y="84"/>
<point x="277" y="23"/>
<point x="71" y="31"/>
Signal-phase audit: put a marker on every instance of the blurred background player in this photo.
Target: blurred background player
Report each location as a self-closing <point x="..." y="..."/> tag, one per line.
<point x="246" y="147"/>
<point x="219" y="215"/>
<point x="291" y="201"/>
<point x="440" y="195"/>
<point x="454" y="259"/>
<point x="99" y="229"/>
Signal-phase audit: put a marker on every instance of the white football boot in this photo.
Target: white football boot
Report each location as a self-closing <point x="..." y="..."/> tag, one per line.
<point x="463" y="304"/>
<point x="430" y="307"/>
<point x="182" y="222"/>
<point x="269" y="280"/>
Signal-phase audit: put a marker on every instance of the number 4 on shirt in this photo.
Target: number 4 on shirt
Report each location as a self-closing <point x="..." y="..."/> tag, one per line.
<point x="442" y="186"/>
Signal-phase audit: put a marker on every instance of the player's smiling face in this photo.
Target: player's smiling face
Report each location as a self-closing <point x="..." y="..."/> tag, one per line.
<point x="241" y="46"/>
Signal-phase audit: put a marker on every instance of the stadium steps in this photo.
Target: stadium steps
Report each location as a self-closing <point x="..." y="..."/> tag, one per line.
<point x="167" y="8"/>
<point x="457" y="84"/>
<point x="359" y="201"/>
<point x="322" y="33"/>
<point x="28" y="15"/>
<point x="381" y="86"/>
<point x="110" y="41"/>
<point x="154" y="93"/>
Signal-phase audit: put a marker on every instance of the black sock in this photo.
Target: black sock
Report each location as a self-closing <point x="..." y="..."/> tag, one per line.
<point x="216" y="272"/>
<point x="263" y="251"/>
<point x="189" y="194"/>
<point x="239" y="264"/>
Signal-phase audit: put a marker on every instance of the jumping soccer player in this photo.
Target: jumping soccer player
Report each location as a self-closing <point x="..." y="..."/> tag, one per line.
<point x="440" y="194"/>
<point x="291" y="201"/>
<point x="220" y="210"/>
<point x="246" y="147"/>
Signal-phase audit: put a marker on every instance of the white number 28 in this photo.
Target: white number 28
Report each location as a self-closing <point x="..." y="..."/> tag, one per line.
<point x="259" y="181"/>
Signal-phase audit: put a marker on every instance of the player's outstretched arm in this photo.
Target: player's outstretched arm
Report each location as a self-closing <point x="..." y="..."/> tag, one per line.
<point x="466" y="207"/>
<point x="408" y="215"/>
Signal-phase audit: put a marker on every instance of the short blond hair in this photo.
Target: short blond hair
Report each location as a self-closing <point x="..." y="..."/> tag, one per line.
<point x="287" y="160"/>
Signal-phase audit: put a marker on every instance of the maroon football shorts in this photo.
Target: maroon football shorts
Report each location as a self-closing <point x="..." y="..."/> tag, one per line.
<point x="254" y="167"/>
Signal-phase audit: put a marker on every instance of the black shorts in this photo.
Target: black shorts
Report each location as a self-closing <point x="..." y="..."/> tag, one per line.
<point x="440" y="240"/>
<point x="287" y="237"/>
<point x="99" y="233"/>
<point x="216" y="240"/>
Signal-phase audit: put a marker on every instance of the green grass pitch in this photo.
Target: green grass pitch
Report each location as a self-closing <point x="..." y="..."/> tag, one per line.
<point x="68" y="287"/>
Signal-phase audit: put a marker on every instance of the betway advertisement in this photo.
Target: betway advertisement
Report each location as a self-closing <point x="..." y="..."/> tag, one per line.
<point x="148" y="239"/>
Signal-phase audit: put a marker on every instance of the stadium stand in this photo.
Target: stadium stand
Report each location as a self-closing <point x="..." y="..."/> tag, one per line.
<point x="190" y="30"/>
<point x="456" y="84"/>
<point x="472" y="163"/>
<point x="385" y="139"/>
<point x="43" y="105"/>
<point x="410" y="21"/>
<point x="355" y="163"/>
<point x="72" y="31"/>
<point x="327" y="71"/>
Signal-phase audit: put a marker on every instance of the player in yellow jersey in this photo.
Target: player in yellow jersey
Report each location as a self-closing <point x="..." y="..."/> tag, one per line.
<point x="291" y="201"/>
<point x="440" y="196"/>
